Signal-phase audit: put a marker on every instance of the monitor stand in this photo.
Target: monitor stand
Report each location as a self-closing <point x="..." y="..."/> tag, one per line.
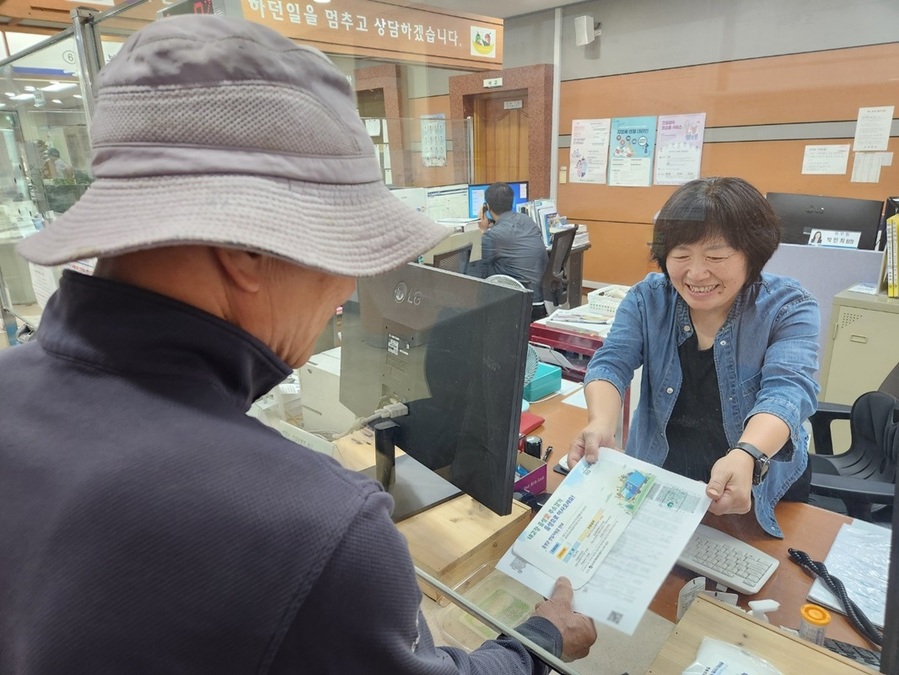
<point x="413" y="486"/>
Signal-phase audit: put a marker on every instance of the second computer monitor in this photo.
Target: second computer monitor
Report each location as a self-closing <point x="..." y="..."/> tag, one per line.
<point x="476" y="196"/>
<point x="827" y="221"/>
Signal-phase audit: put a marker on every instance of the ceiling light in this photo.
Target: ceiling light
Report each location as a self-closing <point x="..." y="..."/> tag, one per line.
<point x="28" y="87"/>
<point x="23" y="97"/>
<point x="323" y="2"/>
<point x="56" y="100"/>
<point x="10" y="93"/>
<point x="76" y="95"/>
<point x="59" y="86"/>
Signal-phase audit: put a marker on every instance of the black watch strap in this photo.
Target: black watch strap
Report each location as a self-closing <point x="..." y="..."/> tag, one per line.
<point x="760" y="459"/>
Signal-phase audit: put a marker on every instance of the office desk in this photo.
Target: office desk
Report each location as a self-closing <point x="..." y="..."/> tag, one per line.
<point x="806" y="528"/>
<point x="574" y="267"/>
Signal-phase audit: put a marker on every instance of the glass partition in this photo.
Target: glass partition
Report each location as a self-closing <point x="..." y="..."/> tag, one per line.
<point x="44" y="167"/>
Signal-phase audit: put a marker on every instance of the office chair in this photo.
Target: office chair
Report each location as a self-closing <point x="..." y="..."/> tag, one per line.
<point x="455" y="260"/>
<point x="864" y="475"/>
<point x="555" y="280"/>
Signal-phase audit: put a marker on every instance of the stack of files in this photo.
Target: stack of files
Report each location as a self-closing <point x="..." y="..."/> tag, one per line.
<point x="544" y="213"/>
<point x="581" y="320"/>
<point x="582" y="238"/>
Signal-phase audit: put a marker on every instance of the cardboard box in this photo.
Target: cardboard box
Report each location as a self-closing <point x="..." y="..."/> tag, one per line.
<point x="535" y="480"/>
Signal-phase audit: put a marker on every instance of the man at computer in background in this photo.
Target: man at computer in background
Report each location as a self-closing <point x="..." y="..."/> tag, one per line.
<point x="148" y="525"/>
<point x="511" y="244"/>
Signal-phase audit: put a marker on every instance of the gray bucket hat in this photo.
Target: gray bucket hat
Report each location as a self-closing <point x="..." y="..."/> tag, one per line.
<point x="214" y="130"/>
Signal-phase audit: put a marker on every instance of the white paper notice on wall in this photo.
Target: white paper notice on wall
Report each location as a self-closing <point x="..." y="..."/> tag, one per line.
<point x="866" y="167"/>
<point x="872" y="130"/>
<point x="825" y="159"/>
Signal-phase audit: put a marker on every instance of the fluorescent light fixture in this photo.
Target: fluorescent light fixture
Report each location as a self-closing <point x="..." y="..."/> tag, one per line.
<point x="28" y="87"/>
<point x="23" y="97"/>
<point x="59" y="86"/>
<point x="10" y="93"/>
<point x="76" y="95"/>
<point x="56" y="100"/>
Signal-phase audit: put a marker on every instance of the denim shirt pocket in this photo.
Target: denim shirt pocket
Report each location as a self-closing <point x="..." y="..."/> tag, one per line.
<point x="750" y="387"/>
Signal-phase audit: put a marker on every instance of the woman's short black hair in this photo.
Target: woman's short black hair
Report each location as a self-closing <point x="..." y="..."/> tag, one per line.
<point x="499" y="198"/>
<point x="711" y="207"/>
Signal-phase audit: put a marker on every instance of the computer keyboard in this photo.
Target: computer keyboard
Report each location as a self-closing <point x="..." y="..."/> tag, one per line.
<point x="866" y="657"/>
<point x="727" y="560"/>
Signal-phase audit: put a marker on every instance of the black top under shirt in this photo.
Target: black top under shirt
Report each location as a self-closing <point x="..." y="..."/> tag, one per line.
<point x="695" y="431"/>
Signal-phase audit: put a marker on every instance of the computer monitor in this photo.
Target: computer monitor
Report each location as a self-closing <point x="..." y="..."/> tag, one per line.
<point x="476" y="197"/>
<point x="453" y="349"/>
<point x="827" y="221"/>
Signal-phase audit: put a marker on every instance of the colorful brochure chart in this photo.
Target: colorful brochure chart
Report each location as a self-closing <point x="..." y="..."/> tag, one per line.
<point x="660" y="510"/>
<point x="577" y="527"/>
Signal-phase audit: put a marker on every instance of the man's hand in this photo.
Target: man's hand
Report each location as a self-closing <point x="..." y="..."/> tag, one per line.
<point x="730" y="485"/>
<point x="587" y="443"/>
<point x="483" y="223"/>
<point x="578" y="631"/>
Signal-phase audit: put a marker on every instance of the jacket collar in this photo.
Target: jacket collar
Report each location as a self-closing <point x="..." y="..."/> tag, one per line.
<point x="134" y="332"/>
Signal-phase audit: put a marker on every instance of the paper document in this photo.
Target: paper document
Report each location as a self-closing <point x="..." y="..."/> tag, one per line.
<point x="860" y="558"/>
<point x="621" y="585"/>
<point x="583" y="518"/>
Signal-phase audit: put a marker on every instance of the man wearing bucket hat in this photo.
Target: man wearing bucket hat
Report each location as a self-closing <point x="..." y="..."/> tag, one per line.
<point x="148" y="524"/>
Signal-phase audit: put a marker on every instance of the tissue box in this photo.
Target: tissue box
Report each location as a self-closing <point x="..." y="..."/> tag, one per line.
<point x="535" y="480"/>
<point x="547" y="380"/>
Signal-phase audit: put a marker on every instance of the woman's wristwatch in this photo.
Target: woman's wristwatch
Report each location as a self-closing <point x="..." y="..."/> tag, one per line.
<point x="760" y="460"/>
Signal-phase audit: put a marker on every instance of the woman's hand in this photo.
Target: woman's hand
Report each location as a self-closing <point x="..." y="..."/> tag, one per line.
<point x="730" y="485"/>
<point x="587" y="443"/>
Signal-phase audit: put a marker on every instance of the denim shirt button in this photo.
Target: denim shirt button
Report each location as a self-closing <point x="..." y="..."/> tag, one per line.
<point x="687" y="329"/>
<point x="669" y="390"/>
<point x="723" y="343"/>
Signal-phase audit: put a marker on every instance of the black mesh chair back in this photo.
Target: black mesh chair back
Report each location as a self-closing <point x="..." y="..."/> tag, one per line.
<point x="555" y="280"/>
<point x="865" y="474"/>
<point x="455" y="260"/>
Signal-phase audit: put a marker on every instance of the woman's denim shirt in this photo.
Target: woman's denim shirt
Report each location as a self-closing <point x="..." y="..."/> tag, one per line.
<point x="766" y="355"/>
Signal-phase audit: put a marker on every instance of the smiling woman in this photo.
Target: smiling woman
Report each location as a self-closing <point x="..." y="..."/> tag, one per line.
<point x="728" y="355"/>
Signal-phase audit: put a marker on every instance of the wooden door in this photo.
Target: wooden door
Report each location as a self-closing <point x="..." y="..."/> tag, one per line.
<point x="500" y="126"/>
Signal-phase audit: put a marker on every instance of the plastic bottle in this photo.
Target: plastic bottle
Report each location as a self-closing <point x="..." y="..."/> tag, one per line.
<point x="813" y="623"/>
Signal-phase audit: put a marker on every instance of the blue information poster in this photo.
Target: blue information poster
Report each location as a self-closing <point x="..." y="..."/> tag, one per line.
<point x="631" y="150"/>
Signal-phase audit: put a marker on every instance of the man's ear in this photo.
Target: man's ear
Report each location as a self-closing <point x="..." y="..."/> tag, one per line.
<point x="245" y="269"/>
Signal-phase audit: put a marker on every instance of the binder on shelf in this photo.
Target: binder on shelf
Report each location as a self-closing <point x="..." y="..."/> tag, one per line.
<point x="889" y="272"/>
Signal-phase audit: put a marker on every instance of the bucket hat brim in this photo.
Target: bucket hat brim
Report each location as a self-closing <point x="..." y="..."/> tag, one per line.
<point x="318" y="225"/>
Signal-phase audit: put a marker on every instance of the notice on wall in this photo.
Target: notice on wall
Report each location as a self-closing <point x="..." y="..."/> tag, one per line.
<point x="866" y="167"/>
<point x="433" y="140"/>
<point x="589" y="150"/>
<point x="631" y="150"/>
<point x="872" y="130"/>
<point x="825" y="159"/>
<point x="679" y="148"/>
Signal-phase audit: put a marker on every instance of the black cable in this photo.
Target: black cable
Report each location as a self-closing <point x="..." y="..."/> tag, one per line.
<point x="856" y="616"/>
